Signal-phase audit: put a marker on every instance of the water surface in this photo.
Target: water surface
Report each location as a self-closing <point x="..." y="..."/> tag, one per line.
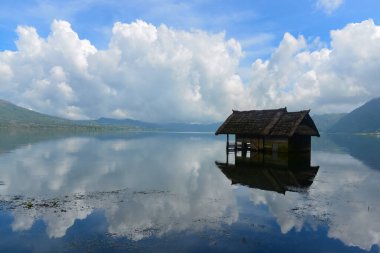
<point x="181" y="193"/>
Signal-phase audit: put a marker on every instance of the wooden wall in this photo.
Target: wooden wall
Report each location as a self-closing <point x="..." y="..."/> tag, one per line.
<point x="267" y="144"/>
<point x="276" y="145"/>
<point x="296" y="143"/>
<point x="300" y="143"/>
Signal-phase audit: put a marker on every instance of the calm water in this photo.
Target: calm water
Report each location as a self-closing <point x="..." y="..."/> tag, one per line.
<point x="178" y="193"/>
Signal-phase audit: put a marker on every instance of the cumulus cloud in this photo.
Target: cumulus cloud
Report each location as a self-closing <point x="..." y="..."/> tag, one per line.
<point x="329" y="6"/>
<point x="326" y="79"/>
<point x="162" y="74"/>
<point x="147" y="72"/>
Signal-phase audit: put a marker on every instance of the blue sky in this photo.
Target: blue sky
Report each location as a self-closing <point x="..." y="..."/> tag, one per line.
<point x="259" y="27"/>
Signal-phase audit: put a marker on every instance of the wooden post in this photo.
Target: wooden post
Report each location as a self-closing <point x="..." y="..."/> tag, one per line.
<point x="263" y="144"/>
<point x="227" y="144"/>
<point x="235" y="143"/>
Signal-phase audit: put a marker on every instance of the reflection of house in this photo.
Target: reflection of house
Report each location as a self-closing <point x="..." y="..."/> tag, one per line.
<point x="269" y="130"/>
<point x="278" y="172"/>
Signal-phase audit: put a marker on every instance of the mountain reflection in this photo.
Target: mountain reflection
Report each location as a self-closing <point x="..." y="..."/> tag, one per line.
<point x="364" y="148"/>
<point x="271" y="172"/>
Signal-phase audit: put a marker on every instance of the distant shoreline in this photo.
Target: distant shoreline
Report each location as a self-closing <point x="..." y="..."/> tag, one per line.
<point x="343" y="133"/>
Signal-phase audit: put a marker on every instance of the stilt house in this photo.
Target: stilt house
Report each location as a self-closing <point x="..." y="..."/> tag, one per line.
<point x="269" y="130"/>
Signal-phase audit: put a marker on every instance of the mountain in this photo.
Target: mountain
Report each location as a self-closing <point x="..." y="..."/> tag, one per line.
<point x="172" y="127"/>
<point x="18" y="118"/>
<point x="325" y="121"/>
<point x="185" y="127"/>
<point x="364" y="119"/>
<point x="13" y="117"/>
<point x="130" y="122"/>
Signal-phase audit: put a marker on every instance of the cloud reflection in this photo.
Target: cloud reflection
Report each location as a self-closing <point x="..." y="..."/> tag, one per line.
<point x="155" y="185"/>
<point x="344" y="196"/>
<point x="144" y="186"/>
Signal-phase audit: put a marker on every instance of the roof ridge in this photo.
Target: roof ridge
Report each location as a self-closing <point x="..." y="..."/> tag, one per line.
<point x="274" y="121"/>
<point x="308" y="110"/>
<point x="298" y="122"/>
<point x="264" y="110"/>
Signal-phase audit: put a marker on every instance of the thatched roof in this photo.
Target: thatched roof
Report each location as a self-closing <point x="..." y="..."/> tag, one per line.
<point x="277" y="122"/>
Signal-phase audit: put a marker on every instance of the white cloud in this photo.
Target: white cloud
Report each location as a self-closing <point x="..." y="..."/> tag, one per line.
<point x="327" y="79"/>
<point x="147" y="72"/>
<point x="329" y="6"/>
<point x="162" y="74"/>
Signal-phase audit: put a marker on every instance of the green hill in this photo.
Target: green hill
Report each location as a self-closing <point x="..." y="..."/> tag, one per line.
<point x="13" y="117"/>
<point x="364" y="119"/>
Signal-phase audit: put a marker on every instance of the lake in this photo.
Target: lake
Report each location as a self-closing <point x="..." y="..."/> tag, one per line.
<point x="180" y="192"/>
